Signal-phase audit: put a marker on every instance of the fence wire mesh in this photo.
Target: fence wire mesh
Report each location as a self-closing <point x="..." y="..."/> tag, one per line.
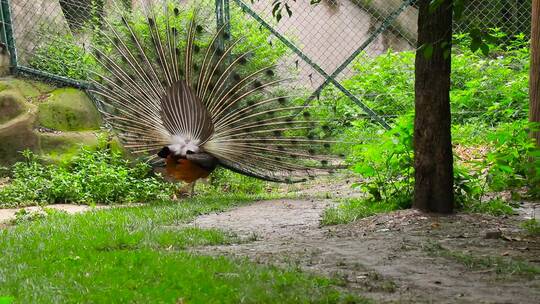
<point x="332" y="44"/>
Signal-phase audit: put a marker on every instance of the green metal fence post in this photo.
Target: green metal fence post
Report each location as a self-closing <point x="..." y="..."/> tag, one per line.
<point x="222" y="18"/>
<point x="7" y="33"/>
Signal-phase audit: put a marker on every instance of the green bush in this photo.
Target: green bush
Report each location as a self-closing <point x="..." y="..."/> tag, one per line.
<point x="387" y="164"/>
<point x="93" y="176"/>
<point x="485" y="89"/>
<point x="490" y="89"/>
<point x="515" y="160"/>
<point x="63" y="57"/>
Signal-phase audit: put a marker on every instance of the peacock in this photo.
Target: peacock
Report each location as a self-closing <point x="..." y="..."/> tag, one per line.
<point x="182" y="95"/>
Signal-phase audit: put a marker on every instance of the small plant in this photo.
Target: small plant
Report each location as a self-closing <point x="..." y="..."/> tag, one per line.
<point x="387" y="164"/>
<point x="226" y="181"/>
<point x="515" y="160"/>
<point x="495" y="207"/>
<point x="64" y="57"/>
<point x="532" y="226"/>
<point x="484" y="89"/>
<point x="351" y="210"/>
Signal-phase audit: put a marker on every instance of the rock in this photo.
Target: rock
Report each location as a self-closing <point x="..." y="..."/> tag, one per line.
<point x="68" y="109"/>
<point x="17" y="135"/>
<point x="29" y="89"/>
<point x="12" y="104"/>
<point x="51" y="122"/>
<point x="497" y="234"/>
<point x="57" y="147"/>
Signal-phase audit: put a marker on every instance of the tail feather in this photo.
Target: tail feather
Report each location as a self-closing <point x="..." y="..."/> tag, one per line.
<point x="173" y="84"/>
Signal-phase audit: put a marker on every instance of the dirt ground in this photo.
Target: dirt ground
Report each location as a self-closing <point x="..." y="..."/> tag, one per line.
<point x="385" y="257"/>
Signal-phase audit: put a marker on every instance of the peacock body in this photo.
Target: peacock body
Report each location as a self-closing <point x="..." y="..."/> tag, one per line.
<point x="181" y="95"/>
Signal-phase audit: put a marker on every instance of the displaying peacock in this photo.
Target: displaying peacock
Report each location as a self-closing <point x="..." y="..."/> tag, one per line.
<point x="181" y="95"/>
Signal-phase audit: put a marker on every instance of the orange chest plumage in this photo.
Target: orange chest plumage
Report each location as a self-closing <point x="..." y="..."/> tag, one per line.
<point x="185" y="170"/>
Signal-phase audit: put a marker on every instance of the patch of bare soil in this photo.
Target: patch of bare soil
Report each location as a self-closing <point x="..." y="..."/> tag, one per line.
<point x="384" y="257"/>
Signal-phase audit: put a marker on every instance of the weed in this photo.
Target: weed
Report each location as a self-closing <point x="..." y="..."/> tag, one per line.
<point x="532" y="226"/>
<point x="387" y="164"/>
<point x="350" y="210"/>
<point x="226" y="181"/>
<point x="495" y="207"/>
<point x="92" y="176"/>
<point x="501" y="266"/>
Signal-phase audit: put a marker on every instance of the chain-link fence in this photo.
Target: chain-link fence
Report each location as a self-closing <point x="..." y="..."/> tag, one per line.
<point x="332" y="44"/>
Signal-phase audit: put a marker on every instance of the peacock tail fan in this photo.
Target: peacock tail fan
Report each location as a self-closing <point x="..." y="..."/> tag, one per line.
<point x="169" y="79"/>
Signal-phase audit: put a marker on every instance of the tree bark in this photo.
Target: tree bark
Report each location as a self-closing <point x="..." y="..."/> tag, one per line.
<point x="534" y="85"/>
<point x="433" y="162"/>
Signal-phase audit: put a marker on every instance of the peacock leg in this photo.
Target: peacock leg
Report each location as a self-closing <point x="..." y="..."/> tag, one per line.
<point x="193" y="188"/>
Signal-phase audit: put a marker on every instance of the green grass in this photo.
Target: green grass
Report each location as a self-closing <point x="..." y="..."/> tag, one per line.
<point x="136" y="255"/>
<point x="500" y="265"/>
<point x="350" y="210"/>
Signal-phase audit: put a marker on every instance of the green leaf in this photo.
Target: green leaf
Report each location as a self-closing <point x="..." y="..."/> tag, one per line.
<point x="434" y="5"/>
<point x="6" y="300"/>
<point x="485" y="48"/>
<point x="288" y="8"/>
<point x="459" y="7"/>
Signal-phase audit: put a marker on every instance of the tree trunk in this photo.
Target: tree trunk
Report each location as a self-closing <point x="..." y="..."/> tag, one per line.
<point x="433" y="162"/>
<point x="534" y="86"/>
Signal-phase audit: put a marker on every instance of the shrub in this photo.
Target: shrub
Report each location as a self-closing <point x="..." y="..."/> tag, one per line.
<point x="515" y="159"/>
<point x="93" y="176"/>
<point x="387" y="164"/>
<point x="63" y="57"/>
<point x="485" y="89"/>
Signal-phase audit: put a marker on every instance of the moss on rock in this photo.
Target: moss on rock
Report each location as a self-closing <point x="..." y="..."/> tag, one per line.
<point x="17" y="137"/>
<point x="59" y="147"/>
<point x="12" y="104"/>
<point x="68" y="109"/>
<point x="25" y="106"/>
<point x="29" y="89"/>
